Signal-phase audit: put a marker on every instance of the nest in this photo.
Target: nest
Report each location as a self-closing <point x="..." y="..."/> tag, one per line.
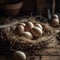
<point x="15" y="42"/>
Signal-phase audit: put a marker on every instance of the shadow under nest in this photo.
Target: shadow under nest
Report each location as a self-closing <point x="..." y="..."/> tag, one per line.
<point x="9" y="41"/>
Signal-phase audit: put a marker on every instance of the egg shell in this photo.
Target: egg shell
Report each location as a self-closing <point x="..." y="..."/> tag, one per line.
<point x="29" y="25"/>
<point x="36" y="31"/>
<point x="27" y="35"/>
<point x="19" y="29"/>
<point x="55" y="22"/>
<point x="55" y="16"/>
<point x="39" y="25"/>
<point x="19" y="55"/>
<point x="23" y="24"/>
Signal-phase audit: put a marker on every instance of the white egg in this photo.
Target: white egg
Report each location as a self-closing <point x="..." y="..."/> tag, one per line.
<point x="27" y="35"/>
<point x="39" y="25"/>
<point x="29" y="25"/>
<point x="36" y="31"/>
<point x="19" y="29"/>
<point x="19" y="55"/>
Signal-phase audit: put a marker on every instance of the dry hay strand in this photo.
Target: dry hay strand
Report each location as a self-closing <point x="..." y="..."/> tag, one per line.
<point x="47" y="27"/>
<point x="24" y="42"/>
<point x="7" y="34"/>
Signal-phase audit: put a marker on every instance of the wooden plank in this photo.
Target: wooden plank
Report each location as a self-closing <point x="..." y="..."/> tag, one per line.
<point x="50" y="58"/>
<point x="53" y="7"/>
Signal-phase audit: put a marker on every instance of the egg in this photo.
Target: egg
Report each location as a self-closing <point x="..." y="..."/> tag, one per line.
<point x="55" y="16"/>
<point x="19" y="55"/>
<point x="19" y="29"/>
<point x="23" y="24"/>
<point x="39" y="25"/>
<point x="29" y="25"/>
<point x="27" y="35"/>
<point x="36" y="31"/>
<point x="55" y="22"/>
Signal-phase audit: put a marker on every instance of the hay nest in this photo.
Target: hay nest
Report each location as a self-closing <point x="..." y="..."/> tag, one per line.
<point x="16" y="42"/>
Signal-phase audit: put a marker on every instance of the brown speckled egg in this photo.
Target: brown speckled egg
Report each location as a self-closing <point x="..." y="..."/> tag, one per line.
<point x="19" y="29"/>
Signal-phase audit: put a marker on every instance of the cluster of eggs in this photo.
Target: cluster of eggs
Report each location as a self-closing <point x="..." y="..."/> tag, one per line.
<point x="29" y="29"/>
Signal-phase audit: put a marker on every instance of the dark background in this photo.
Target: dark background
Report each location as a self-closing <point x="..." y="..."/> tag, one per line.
<point x="32" y="6"/>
